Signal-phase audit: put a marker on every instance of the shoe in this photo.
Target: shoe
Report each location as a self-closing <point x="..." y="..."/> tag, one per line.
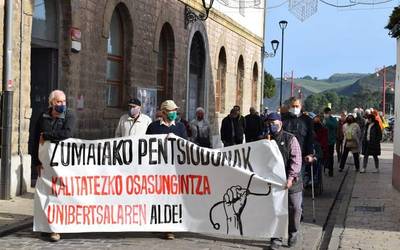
<point x="362" y="170"/>
<point x="275" y="244"/>
<point x="169" y="236"/>
<point x="330" y="174"/>
<point x="292" y="241"/>
<point x="54" y="237"/>
<point x="340" y="169"/>
<point x="376" y="170"/>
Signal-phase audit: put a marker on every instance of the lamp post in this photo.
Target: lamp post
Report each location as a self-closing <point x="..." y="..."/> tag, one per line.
<point x="282" y="25"/>
<point x="191" y="17"/>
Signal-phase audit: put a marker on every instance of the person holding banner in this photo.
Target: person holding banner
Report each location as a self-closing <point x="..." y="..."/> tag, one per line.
<point x="134" y="122"/>
<point x="55" y="124"/>
<point x="292" y="157"/>
<point x="166" y="125"/>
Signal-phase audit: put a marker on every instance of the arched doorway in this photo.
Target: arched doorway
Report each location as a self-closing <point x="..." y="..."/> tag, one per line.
<point x="220" y="83"/>
<point x="254" y="86"/>
<point x="196" y="86"/>
<point x="239" y="82"/>
<point x="165" y="69"/>
<point x="44" y="60"/>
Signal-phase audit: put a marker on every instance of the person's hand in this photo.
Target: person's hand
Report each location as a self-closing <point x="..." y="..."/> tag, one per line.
<point x="309" y="159"/>
<point x="235" y="200"/>
<point x="41" y="139"/>
<point x="39" y="169"/>
<point x="289" y="184"/>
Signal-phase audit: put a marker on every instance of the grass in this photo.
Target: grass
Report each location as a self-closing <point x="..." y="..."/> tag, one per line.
<point x="317" y="86"/>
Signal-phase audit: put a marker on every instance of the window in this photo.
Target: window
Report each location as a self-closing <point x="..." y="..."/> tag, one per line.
<point x="115" y="61"/>
<point x="165" y="68"/>
<point x="239" y="82"/>
<point x="254" y="86"/>
<point x="220" y="83"/>
<point x="44" y="27"/>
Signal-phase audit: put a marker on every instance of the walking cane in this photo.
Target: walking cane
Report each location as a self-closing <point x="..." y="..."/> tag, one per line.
<point x="312" y="191"/>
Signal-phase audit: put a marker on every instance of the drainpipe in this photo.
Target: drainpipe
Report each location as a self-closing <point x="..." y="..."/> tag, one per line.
<point x="7" y="99"/>
<point x="262" y="60"/>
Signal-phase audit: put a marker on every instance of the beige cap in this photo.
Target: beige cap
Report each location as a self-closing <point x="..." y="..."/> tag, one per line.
<point x="168" y="105"/>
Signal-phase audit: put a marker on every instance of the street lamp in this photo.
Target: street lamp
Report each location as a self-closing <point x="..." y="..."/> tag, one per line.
<point x="274" y="45"/>
<point x="282" y="24"/>
<point x="191" y="17"/>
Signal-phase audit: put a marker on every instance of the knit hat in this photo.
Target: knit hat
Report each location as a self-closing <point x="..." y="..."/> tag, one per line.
<point x="134" y="101"/>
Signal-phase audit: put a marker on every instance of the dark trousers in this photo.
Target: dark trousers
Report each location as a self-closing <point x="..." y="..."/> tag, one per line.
<point x="339" y="149"/>
<point x="329" y="163"/>
<point x="376" y="160"/>
<point x="295" y="210"/>
<point x="356" y="157"/>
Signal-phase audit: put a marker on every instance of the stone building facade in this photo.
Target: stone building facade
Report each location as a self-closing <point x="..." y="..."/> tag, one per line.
<point x="103" y="52"/>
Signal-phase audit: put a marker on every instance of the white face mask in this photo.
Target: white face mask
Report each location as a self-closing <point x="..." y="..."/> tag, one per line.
<point x="295" y="111"/>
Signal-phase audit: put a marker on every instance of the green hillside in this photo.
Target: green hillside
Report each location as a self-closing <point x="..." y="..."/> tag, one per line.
<point x="318" y="86"/>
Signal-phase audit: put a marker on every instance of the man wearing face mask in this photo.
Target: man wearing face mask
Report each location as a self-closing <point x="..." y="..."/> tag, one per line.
<point x="301" y="125"/>
<point x="134" y="122"/>
<point x="291" y="153"/>
<point x="167" y="124"/>
<point x="55" y="124"/>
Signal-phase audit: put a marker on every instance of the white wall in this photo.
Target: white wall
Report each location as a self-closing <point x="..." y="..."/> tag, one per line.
<point x="252" y="19"/>
<point x="397" y="104"/>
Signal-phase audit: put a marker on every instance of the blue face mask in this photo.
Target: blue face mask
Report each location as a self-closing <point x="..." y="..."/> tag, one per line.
<point x="273" y="129"/>
<point x="60" y="108"/>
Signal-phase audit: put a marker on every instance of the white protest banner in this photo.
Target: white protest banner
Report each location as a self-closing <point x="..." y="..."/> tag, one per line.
<point x="161" y="183"/>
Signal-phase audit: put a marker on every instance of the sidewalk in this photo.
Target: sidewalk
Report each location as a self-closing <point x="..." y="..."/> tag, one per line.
<point x="16" y="213"/>
<point x="372" y="219"/>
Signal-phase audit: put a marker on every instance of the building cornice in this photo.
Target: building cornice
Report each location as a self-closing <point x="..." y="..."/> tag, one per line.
<point x="225" y="21"/>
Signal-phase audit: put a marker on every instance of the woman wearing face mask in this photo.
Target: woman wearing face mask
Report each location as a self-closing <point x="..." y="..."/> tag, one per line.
<point x="372" y="142"/>
<point x="352" y="142"/>
<point x="133" y="122"/>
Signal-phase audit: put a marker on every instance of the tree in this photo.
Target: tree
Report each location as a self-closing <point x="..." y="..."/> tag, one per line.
<point x="269" y="85"/>
<point x="333" y="99"/>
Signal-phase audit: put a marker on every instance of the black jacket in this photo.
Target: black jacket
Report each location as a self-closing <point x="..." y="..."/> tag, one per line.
<point x="254" y="127"/>
<point x="53" y="129"/>
<point x="373" y="146"/>
<point x="226" y="131"/>
<point x="302" y="127"/>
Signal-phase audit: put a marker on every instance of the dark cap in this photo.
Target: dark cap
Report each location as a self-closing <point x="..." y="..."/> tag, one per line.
<point x="273" y="117"/>
<point x="134" y="101"/>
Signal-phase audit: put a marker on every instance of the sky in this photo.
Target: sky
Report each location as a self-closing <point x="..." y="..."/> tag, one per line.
<point x="351" y="40"/>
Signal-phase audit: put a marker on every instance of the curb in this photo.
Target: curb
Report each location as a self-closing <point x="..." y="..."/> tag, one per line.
<point x="16" y="226"/>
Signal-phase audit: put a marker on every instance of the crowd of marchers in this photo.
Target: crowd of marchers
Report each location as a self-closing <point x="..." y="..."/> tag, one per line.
<point x="303" y="138"/>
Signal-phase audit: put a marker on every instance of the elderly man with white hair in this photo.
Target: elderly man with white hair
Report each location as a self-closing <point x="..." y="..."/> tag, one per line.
<point x="201" y="131"/>
<point x="55" y="124"/>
